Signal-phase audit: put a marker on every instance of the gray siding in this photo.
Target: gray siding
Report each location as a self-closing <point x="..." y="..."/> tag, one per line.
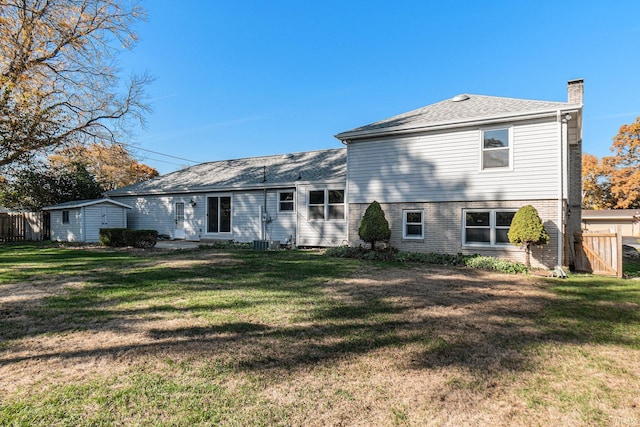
<point x="320" y="232"/>
<point x="157" y="213"/>
<point x="446" y="167"/>
<point x="71" y="232"/>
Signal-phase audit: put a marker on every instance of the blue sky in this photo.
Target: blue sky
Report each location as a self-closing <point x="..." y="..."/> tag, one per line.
<point x="249" y="78"/>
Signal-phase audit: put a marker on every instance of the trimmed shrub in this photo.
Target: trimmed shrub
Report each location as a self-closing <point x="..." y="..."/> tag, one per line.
<point x="374" y="227"/>
<point x="120" y="237"/>
<point x="527" y="230"/>
<point x="113" y="237"/>
<point x="491" y="263"/>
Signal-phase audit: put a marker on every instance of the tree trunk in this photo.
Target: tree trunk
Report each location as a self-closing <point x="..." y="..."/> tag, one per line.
<point x="527" y="249"/>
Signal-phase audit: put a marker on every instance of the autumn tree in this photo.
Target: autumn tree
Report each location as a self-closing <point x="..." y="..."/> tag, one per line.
<point x="112" y="165"/>
<point x="624" y="173"/>
<point x="59" y="82"/>
<point x="596" y="186"/>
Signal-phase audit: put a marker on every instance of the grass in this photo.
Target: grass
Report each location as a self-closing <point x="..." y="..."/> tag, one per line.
<point x="237" y="337"/>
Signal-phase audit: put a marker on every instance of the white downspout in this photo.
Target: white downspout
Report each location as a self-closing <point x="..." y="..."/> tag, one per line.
<point x="561" y="127"/>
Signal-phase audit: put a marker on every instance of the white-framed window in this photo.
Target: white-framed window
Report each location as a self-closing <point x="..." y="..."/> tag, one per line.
<point x="285" y="201"/>
<point x="496" y="148"/>
<point x="486" y="227"/>
<point x="326" y="205"/>
<point x="65" y="217"/>
<point x="413" y="224"/>
<point x="219" y="214"/>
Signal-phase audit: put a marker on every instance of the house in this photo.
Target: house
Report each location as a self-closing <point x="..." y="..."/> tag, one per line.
<point x="451" y="175"/>
<point x="81" y="220"/>
<point x="626" y="220"/>
<point x="298" y="198"/>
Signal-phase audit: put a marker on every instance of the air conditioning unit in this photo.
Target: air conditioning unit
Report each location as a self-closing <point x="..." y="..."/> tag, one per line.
<point x="263" y="245"/>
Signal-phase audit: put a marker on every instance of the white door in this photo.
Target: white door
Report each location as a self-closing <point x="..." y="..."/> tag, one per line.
<point x="179" y="232"/>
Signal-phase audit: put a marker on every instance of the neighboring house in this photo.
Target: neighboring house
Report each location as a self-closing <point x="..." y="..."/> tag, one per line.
<point x="451" y="175"/>
<point x="625" y="220"/>
<point x="81" y="220"/>
<point x="297" y="197"/>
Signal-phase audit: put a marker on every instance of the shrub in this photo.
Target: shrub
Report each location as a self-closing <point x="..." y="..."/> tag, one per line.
<point x="491" y="263"/>
<point x="374" y="227"/>
<point x="392" y="254"/>
<point x="120" y="237"/>
<point x="527" y="230"/>
<point x="113" y="237"/>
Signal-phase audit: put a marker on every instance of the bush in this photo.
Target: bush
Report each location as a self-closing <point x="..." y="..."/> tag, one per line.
<point x="392" y="254"/>
<point x="374" y="227"/>
<point x="527" y="230"/>
<point x="120" y="237"/>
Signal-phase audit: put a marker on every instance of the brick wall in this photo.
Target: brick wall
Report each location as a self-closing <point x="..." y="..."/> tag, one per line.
<point x="443" y="229"/>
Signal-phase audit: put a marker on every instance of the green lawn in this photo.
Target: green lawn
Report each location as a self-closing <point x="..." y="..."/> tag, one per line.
<point x="237" y="337"/>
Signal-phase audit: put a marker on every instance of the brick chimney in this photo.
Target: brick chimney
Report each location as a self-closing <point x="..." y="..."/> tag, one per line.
<point x="575" y="89"/>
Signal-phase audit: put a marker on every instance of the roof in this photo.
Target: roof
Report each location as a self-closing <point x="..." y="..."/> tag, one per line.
<point x="82" y="203"/>
<point x="611" y="214"/>
<point x="461" y="109"/>
<point x="248" y="173"/>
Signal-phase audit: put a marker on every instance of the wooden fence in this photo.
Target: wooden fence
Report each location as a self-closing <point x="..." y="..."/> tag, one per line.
<point x="21" y="226"/>
<point x="599" y="253"/>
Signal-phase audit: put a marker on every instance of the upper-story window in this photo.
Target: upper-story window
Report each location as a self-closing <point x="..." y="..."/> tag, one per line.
<point x="496" y="149"/>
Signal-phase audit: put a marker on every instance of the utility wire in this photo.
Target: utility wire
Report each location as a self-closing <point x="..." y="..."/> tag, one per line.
<point x="159" y="153"/>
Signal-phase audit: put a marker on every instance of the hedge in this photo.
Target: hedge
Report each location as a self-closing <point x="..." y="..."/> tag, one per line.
<point x="120" y="237"/>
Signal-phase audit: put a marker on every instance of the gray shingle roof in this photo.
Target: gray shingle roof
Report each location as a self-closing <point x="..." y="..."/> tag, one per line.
<point x="81" y="203"/>
<point x="473" y="108"/>
<point x="247" y="173"/>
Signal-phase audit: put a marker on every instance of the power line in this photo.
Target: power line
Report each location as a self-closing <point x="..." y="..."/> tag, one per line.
<point x="161" y="154"/>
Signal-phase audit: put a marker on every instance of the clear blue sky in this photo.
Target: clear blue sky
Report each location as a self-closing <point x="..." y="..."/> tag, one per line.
<point x="249" y="78"/>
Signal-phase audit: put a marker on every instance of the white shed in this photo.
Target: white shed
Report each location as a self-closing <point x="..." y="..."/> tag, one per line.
<point x="81" y="220"/>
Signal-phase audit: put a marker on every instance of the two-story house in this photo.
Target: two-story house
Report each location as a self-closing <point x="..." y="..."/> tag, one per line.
<point x="451" y="175"/>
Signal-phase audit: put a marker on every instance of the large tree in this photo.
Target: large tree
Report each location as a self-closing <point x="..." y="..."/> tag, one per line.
<point x="613" y="182"/>
<point x="59" y="80"/>
<point x="596" y="187"/>
<point x="112" y="165"/>
<point x="43" y="185"/>
<point x="625" y="166"/>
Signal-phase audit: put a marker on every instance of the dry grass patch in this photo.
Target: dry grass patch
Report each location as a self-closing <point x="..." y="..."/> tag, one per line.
<point x="293" y="338"/>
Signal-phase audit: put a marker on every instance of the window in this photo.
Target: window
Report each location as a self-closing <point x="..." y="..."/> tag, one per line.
<point x="487" y="227"/>
<point x="65" y="217"/>
<point x="326" y="205"/>
<point x="219" y="214"/>
<point x="103" y="215"/>
<point x="285" y="201"/>
<point x="496" y="149"/>
<point x="412" y="224"/>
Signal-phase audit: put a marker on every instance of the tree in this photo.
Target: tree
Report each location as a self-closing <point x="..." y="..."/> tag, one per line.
<point x="112" y="165"/>
<point x="596" y="187"/>
<point x="43" y="185"/>
<point x="527" y="230"/>
<point x="624" y="175"/>
<point x="58" y="79"/>
<point x="374" y="226"/>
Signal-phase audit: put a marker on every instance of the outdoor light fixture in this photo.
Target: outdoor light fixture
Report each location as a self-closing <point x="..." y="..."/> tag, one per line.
<point x="193" y="203"/>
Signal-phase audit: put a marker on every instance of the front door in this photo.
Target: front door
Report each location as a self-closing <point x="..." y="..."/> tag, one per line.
<point x="179" y="220"/>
